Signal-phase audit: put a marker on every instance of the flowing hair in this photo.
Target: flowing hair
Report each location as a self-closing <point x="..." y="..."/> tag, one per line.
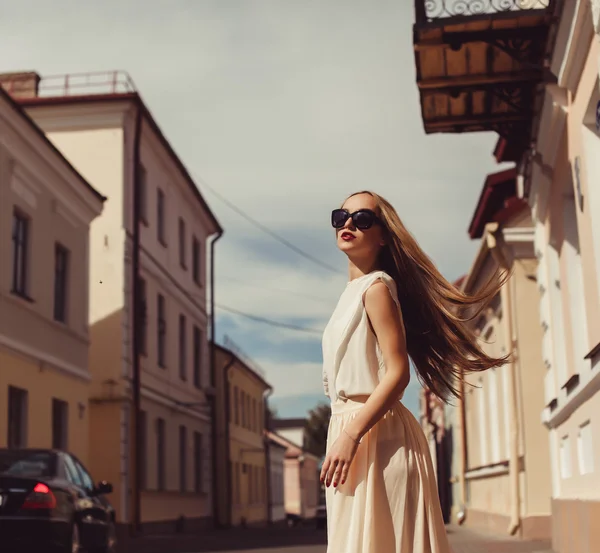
<point x="440" y="344"/>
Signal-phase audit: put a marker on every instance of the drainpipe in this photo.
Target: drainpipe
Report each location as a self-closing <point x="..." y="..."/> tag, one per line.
<point x="213" y="370"/>
<point x="136" y="324"/>
<point x="267" y="457"/>
<point x="495" y="243"/>
<point x="228" y="486"/>
<point x="462" y="515"/>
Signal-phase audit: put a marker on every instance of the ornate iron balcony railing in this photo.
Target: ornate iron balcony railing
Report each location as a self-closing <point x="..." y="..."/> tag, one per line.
<point x="429" y="10"/>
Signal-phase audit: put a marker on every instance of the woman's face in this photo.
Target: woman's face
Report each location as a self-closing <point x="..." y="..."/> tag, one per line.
<point x="354" y="241"/>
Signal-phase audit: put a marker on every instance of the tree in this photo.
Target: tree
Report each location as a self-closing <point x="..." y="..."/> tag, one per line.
<point x="316" y="429"/>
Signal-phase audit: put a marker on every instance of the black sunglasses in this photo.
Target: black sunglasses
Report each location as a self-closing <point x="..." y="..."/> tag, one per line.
<point x="362" y="219"/>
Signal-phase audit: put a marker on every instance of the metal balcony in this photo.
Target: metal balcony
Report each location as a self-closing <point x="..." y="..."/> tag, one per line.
<point x="480" y="62"/>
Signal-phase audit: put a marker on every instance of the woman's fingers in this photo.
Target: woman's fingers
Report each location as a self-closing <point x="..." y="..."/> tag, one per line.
<point x="345" y="472"/>
<point x="331" y="471"/>
<point x="338" y="472"/>
<point x="324" y="469"/>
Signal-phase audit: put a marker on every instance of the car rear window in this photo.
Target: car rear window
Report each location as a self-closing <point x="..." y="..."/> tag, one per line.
<point x="27" y="463"/>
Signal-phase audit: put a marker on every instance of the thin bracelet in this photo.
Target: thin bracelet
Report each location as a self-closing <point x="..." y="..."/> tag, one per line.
<point x="357" y="442"/>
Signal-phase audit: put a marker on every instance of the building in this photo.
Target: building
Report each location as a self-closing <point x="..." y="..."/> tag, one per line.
<point x="243" y="488"/>
<point x="301" y="470"/>
<point x="151" y="407"/>
<point x="560" y="181"/>
<point x="433" y="423"/>
<point x="507" y="474"/>
<point x="46" y="208"/>
<point x="276" y="460"/>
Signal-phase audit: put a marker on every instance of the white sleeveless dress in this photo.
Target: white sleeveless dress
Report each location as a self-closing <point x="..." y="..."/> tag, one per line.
<point x="389" y="503"/>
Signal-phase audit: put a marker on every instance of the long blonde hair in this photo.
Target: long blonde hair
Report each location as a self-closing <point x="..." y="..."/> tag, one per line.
<point x="440" y="343"/>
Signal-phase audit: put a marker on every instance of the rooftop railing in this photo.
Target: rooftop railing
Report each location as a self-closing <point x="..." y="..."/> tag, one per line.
<point x="429" y="10"/>
<point x="86" y="84"/>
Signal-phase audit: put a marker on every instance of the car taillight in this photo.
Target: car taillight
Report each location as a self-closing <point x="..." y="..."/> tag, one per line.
<point x="40" y="498"/>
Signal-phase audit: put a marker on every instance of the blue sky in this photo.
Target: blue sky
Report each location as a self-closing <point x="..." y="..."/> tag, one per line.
<point x="285" y="108"/>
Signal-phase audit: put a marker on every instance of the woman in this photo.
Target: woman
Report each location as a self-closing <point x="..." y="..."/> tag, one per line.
<point x="381" y="488"/>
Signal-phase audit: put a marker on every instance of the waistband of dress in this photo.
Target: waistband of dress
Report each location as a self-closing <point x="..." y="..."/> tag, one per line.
<point x="347" y="405"/>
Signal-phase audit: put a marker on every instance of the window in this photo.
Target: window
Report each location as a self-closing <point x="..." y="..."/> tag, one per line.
<point x="236" y="405"/>
<point x="585" y="450"/>
<point x="182" y="348"/>
<point x="20" y="252"/>
<point x="182" y="246"/>
<point x="248" y="410"/>
<point x="143" y="314"/>
<point x="196" y="260"/>
<point x="60" y="424"/>
<point x="197" y="357"/>
<point x="17" y="417"/>
<point x="182" y="458"/>
<point x="72" y="472"/>
<point x="198" y="463"/>
<point x="61" y="271"/>
<point x="565" y="457"/>
<point x="160" y="217"/>
<point x="243" y="402"/>
<point x="143" y="428"/>
<point x="250" y="484"/>
<point x="160" y="454"/>
<point x="143" y="195"/>
<point x="162" y="331"/>
<point x="87" y="480"/>
<point x="237" y="485"/>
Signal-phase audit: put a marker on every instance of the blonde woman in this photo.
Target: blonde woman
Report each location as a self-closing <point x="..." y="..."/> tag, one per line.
<point x="381" y="489"/>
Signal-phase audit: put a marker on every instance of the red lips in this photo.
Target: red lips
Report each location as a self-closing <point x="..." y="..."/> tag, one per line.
<point x="348" y="236"/>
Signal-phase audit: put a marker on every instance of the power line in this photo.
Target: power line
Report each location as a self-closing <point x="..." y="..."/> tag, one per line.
<point x="270" y="321"/>
<point x="271" y="289"/>
<point x="266" y="229"/>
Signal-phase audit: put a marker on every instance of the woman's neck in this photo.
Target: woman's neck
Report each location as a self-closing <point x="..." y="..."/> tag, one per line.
<point x="358" y="268"/>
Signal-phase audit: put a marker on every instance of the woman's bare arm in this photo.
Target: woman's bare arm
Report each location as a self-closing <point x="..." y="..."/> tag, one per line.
<point x="386" y="321"/>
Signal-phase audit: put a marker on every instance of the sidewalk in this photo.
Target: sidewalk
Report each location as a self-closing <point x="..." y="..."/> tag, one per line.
<point x="468" y="541"/>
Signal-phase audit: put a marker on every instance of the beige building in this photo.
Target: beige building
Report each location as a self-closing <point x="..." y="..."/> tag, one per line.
<point x="507" y="478"/>
<point x="276" y="461"/>
<point x="46" y="208"/>
<point x="152" y="252"/>
<point x="561" y="182"/>
<point x="300" y="471"/>
<point x="243" y="487"/>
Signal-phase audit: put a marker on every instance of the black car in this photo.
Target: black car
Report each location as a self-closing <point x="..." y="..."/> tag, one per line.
<point x="49" y="503"/>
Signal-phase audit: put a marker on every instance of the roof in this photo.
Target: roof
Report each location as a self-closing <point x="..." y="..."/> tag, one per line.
<point x="280" y="441"/>
<point x="240" y="361"/>
<point x="499" y="192"/>
<point x="31" y="102"/>
<point x="29" y="121"/>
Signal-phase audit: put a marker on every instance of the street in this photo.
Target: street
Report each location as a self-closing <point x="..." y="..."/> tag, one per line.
<point x="309" y="540"/>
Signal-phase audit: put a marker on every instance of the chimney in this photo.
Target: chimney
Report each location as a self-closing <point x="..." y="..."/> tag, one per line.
<point x="21" y="85"/>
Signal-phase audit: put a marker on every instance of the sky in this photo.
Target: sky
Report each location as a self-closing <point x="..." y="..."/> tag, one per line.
<point x="283" y="108"/>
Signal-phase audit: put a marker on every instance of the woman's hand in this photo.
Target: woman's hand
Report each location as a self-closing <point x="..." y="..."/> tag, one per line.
<point x="338" y="460"/>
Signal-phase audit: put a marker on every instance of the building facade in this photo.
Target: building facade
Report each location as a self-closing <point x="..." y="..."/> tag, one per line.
<point x="301" y="470"/>
<point x="507" y="474"/>
<point x="46" y="208"/>
<point x="150" y="411"/>
<point x="276" y="459"/>
<point x="243" y="487"/>
<point x="561" y="184"/>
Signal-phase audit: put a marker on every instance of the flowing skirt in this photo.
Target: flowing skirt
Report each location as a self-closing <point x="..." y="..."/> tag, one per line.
<point x="389" y="503"/>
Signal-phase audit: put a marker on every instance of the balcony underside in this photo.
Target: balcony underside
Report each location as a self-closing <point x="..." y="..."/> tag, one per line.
<point x="480" y="71"/>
